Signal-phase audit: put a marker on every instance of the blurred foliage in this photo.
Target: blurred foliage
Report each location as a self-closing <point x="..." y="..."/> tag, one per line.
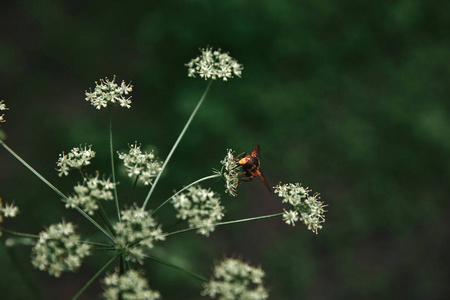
<point x="348" y="97"/>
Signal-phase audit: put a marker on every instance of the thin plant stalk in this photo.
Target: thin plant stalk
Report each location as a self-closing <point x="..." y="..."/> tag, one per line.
<point x="113" y="172"/>
<point x="27" y="235"/>
<point x="176" y="143"/>
<point x="65" y="199"/>
<point x="186" y="187"/>
<point x="178" y="268"/>
<point x="228" y="223"/>
<point x="94" y="277"/>
<point x="134" y="188"/>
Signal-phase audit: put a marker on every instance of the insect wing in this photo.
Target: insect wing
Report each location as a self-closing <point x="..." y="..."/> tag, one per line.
<point x="257" y="151"/>
<point x="263" y="180"/>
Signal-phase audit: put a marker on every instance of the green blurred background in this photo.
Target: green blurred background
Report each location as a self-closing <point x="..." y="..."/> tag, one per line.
<point x="347" y="97"/>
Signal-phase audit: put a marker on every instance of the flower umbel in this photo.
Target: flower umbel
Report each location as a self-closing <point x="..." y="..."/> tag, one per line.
<point x="234" y="279"/>
<point x="229" y="173"/>
<point x="129" y="286"/>
<point x="214" y="64"/>
<point x="75" y="159"/>
<point x="90" y="192"/>
<point x="141" y="164"/>
<point x="59" y="249"/>
<point x="305" y="207"/>
<point x="200" y="207"/>
<point x="136" y="233"/>
<point x="109" y="92"/>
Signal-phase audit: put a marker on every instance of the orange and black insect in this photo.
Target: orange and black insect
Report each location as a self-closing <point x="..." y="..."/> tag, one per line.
<point x="251" y="165"/>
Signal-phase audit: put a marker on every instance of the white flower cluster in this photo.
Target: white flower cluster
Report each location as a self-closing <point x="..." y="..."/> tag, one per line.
<point x="109" y="92"/>
<point x="214" y="64"/>
<point x="75" y="159"/>
<point x="234" y="279"/>
<point x="136" y="233"/>
<point x="129" y="286"/>
<point x="230" y="173"/>
<point x="7" y="211"/>
<point x="2" y="107"/>
<point x="141" y="164"/>
<point x="90" y="192"/>
<point x="200" y="207"/>
<point x="59" y="249"/>
<point x="305" y="207"/>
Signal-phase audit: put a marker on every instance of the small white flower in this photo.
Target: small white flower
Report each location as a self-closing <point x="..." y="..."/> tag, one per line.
<point x="75" y="159"/>
<point x="305" y="207"/>
<point x="141" y="164"/>
<point x="214" y="64"/>
<point x="200" y="207"/>
<point x="129" y="286"/>
<point x="229" y="173"/>
<point x="109" y="92"/>
<point x="2" y="107"/>
<point x="7" y="211"/>
<point x="136" y="233"/>
<point x="290" y="217"/>
<point x="234" y="279"/>
<point x="59" y="249"/>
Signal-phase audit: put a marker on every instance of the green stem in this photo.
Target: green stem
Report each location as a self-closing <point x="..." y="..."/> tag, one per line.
<point x="105" y="218"/>
<point x="186" y="187"/>
<point x="116" y="198"/>
<point x="176" y="143"/>
<point x="94" y="277"/>
<point x="27" y="235"/>
<point x="178" y="268"/>
<point x="65" y="199"/>
<point x="97" y="244"/>
<point x="134" y="188"/>
<point x="228" y="223"/>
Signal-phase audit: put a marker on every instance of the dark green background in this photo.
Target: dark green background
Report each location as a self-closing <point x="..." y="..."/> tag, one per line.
<point x="347" y="97"/>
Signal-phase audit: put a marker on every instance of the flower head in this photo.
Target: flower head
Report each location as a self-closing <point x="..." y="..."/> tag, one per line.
<point x="200" y="207"/>
<point x="229" y="173"/>
<point x="109" y="92"/>
<point x="129" y="286"/>
<point x="214" y="64"/>
<point x="90" y="192"/>
<point x="7" y="211"/>
<point x="59" y="249"/>
<point x="234" y="279"/>
<point x="75" y="159"/>
<point x="2" y="107"/>
<point x="304" y="207"/>
<point x="136" y="233"/>
<point x="141" y="164"/>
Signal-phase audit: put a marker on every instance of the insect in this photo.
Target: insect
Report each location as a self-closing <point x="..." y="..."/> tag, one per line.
<point x="251" y="165"/>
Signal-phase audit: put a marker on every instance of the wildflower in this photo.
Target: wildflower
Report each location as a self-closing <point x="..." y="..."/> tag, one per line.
<point x="7" y="211"/>
<point x="77" y="158"/>
<point x="305" y="207"/>
<point x="229" y="173"/>
<point x="136" y="233"/>
<point x="109" y="92"/>
<point x="214" y="64"/>
<point x="2" y="107"/>
<point x="200" y="207"/>
<point x="90" y="192"/>
<point x="141" y="164"/>
<point x="234" y="279"/>
<point x="59" y="249"/>
<point x="129" y="286"/>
